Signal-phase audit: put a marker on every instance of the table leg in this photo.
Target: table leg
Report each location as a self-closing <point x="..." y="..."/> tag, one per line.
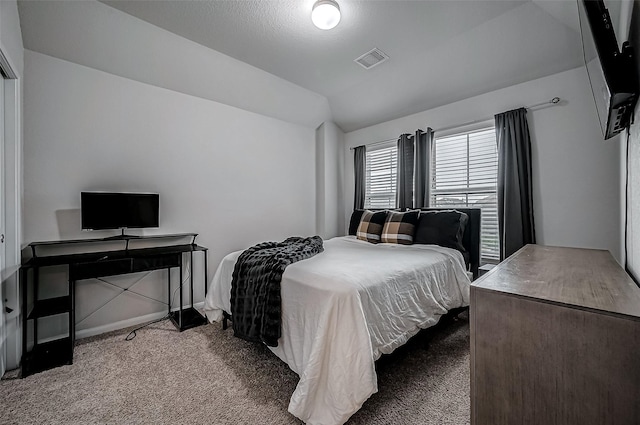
<point x="191" y="278"/>
<point x="180" y="307"/>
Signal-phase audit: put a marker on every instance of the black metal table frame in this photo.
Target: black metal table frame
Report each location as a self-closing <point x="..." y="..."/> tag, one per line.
<point x="90" y="265"/>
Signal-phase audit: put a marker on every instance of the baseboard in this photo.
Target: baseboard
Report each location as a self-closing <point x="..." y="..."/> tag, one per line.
<point x="97" y="330"/>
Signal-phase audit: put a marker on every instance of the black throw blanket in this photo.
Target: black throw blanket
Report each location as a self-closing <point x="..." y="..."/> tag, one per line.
<point x="255" y="289"/>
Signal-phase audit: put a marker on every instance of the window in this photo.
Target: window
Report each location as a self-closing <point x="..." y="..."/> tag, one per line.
<point x="380" y="179"/>
<point x="464" y="173"/>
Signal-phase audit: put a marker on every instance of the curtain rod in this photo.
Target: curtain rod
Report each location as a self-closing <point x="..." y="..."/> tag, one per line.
<point x="551" y="102"/>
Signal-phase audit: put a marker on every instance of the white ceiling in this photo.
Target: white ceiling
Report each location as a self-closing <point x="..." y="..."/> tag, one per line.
<point x="440" y="51"/>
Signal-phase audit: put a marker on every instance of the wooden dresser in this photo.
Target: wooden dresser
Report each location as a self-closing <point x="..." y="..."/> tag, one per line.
<point x="555" y="340"/>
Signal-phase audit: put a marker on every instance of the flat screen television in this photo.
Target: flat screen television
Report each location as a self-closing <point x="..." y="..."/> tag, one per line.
<point x="119" y="210"/>
<point x="612" y="73"/>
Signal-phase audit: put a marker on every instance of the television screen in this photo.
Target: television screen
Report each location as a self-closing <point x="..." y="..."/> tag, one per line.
<point x="599" y="86"/>
<point x="111" y="210"/>
<point x="612" y="72"/>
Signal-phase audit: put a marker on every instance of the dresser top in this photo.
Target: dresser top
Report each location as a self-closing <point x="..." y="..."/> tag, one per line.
<point x="585" y="278"/>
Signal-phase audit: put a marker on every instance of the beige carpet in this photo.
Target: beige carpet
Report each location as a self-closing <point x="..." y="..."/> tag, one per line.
<point x="206" y="376"/>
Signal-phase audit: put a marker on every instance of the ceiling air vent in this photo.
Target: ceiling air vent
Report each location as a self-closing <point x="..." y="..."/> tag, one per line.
<point x="372" y="58"/>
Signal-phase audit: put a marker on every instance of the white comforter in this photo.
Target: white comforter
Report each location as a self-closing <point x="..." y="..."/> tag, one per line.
<point x="344" y="307"/>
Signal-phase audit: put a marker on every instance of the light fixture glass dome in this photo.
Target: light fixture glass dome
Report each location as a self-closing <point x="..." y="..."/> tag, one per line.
<point x="325" y="14"/>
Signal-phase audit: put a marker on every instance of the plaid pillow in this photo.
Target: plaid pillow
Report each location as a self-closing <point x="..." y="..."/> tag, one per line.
<point x="400" y="227"/>
<point x="370" y="226"/>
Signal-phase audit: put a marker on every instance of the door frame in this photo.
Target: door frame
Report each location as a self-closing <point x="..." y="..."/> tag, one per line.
<point x="13" y="181"/>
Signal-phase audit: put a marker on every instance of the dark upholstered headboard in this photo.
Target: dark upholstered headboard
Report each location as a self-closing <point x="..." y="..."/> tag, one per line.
<point x="471" y="237"/>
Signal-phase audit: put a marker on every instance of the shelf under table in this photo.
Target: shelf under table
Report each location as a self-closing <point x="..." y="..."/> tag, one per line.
<point x="50" y="307"/>
<point x="190" y="318"/>
<point x="48" y="355"/>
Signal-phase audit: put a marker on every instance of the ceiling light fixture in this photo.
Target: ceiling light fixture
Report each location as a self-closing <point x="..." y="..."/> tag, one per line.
<point x="325" y="14"/>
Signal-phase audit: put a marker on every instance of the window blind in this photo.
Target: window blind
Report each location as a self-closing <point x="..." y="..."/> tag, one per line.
<point x="380" y="180"/>
<point x="464" y="174"/>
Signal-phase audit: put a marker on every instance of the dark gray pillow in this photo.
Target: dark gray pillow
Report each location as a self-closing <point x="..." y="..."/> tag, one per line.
<point x="444" y="228"/>
<point x="355" y="221"/>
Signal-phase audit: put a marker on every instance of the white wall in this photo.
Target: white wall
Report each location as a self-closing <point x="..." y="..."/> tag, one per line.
<point x="575" y="173"/>
<point x="235" y="177"/>
<point x="631" y="199"/>
<point x="96" y="35"/>
<point x="329" y="175"/>
<point x="11" y="46"/>
<point x="10" y="35"/>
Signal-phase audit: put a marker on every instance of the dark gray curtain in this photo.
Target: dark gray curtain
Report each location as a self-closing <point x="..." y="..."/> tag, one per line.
<point x="404" y="190"/>
<point x="515" y="200"/>
<point x="422" y="185"/>
<point x="359" y="170"/>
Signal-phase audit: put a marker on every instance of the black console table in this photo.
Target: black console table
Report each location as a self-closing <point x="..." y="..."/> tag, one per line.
<point x="94" y="264"/>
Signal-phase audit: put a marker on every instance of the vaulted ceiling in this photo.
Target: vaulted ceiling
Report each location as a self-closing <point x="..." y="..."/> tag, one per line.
<point x="440" y="51"/>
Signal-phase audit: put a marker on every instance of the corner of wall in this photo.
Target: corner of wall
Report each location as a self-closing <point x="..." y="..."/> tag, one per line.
<point x="320" y="179"/>
<point x="629" y="176"/>
<point x="329" y="174"/>
<point x="342" y="230"/>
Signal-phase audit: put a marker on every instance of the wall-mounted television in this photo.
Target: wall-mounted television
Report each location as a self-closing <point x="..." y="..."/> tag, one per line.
<point x="612" y="72"/>
<point x="119" y="210"/>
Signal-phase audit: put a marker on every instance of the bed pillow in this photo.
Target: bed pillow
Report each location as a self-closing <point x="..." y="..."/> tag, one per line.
<point x="399" y="227"/>
<point x="370" y="227"/>
<point x="355" y="221"/>
<point x="443" y="227"/>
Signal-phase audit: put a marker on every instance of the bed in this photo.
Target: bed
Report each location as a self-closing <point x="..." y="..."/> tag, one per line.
<point x="345" y="307"/>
